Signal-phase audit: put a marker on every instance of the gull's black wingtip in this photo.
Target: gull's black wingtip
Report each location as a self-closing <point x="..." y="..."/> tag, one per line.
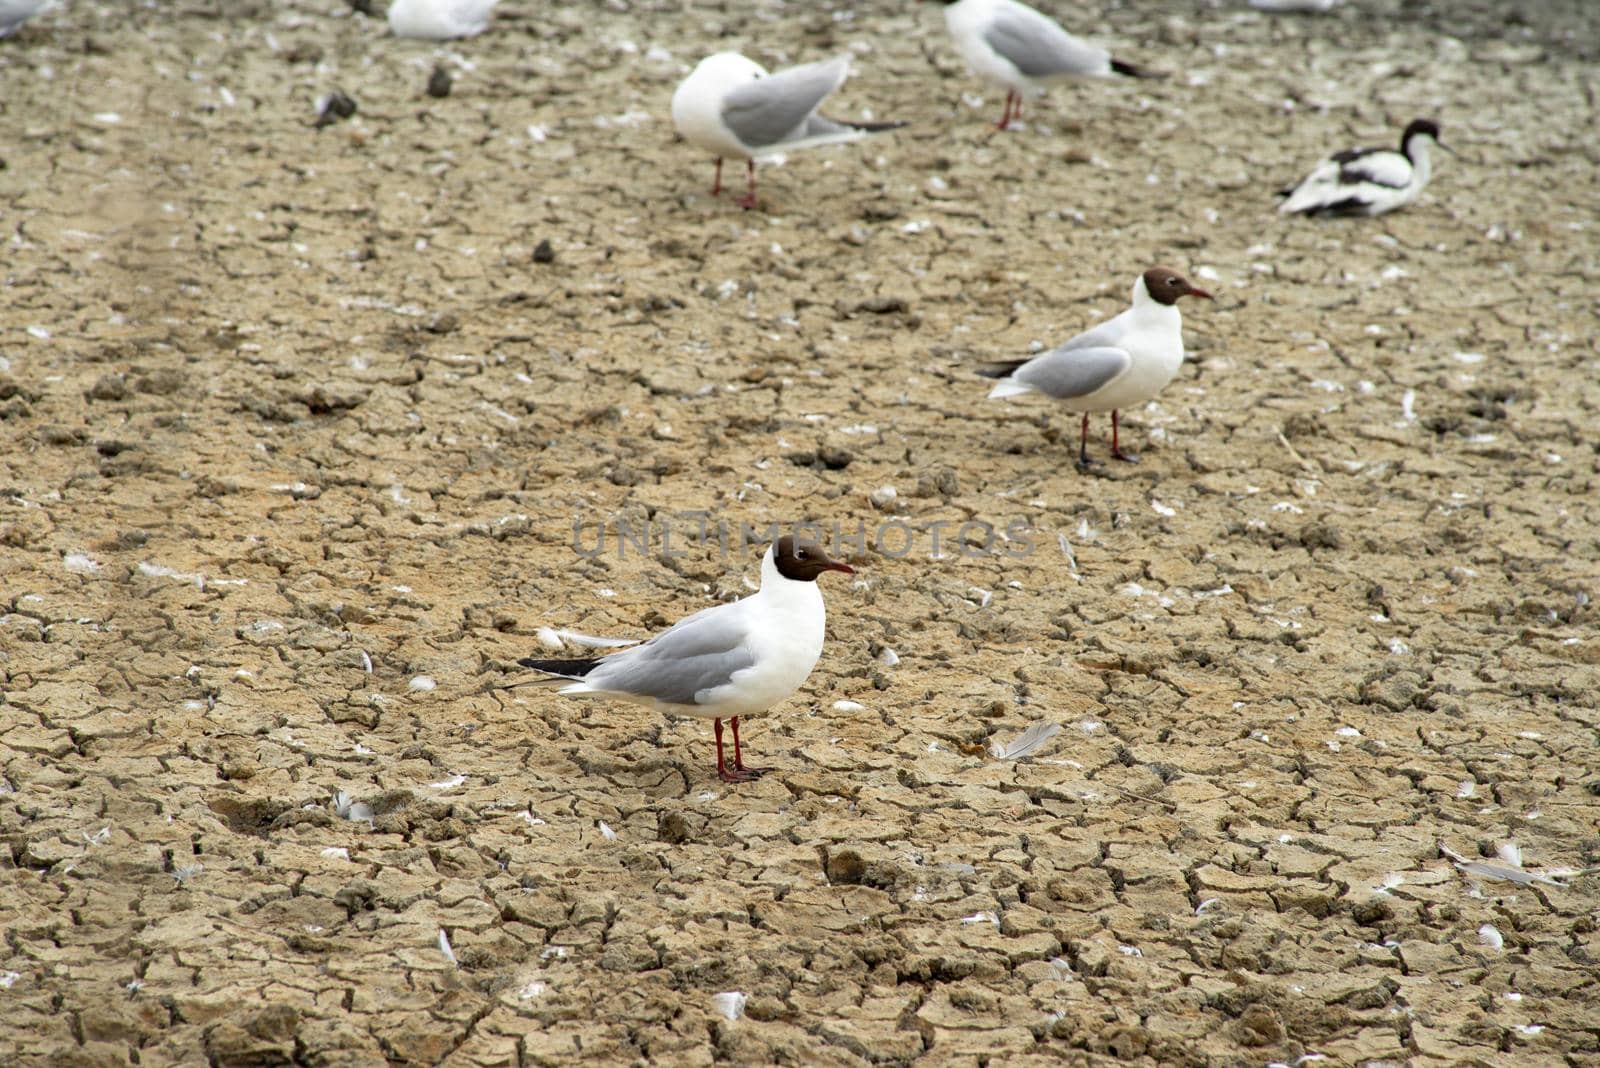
<point x="1128" y="70"/>
<point x="1000" y="370"/>
<point x="569" y="669"/>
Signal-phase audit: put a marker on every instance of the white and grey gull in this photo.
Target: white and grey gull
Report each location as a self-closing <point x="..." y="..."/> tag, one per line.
<point x="13" y="13"/>
<point x="1124" y="361"/>
<point x="731" y="106"/>
<point x="1367" y="181"/>
<point x="439" y="20"/>
<point x="726" y="662"/>
<point x="1013" y="47"/>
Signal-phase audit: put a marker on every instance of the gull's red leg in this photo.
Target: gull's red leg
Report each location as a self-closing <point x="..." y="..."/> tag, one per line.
<point x="716" y="186"/>
<point x="738" y="758"/>
<point x="1005" y="116"/>
<point x="749" y="200"/>
<point x="1083" y="442"/>
<point x="735" y="773"/>
<point x="1116" y="447"/>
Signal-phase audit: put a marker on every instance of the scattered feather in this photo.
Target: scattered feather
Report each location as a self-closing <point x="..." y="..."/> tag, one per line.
<point x="593" y="641"/>
<point x="1485" y="869"/>
<point x="549" y="639"/>
<point x="533" y="988"/>
<point x="1490" y="936"/>
<point x="7" y="979"/>
<point x="984" y="596"/>
<point x="448" y="784"/>
<point x="1130" y="951"/>
<point x="1026" y="743"/>
<point x="729" y="1004"/>
<point x="422" y="683"/>
<point x="607" y="833"/>
<point x="185" y="872"/>
<point x="848" y="706"/>
<point x="336" y="853"/>
<point x="444" y="947"/>
<point x="1510" y="852"/>
<point x="80" y="563"/>
<point x="100" y="837"/>
<point x="888" y="657"/>
<point x="982" y="917"/>
<point x="345" y="807"/>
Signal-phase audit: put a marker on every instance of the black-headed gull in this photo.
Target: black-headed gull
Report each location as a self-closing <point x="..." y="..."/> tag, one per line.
<point x="1123" y="361"/>
<point x="1367" y="181"/>
<point x="439" y="20"/>
<point x="13" y="13"/>
<point x="731" y="106"/>
<point x="725" y="662"/>
<point x="1015" y="48"/>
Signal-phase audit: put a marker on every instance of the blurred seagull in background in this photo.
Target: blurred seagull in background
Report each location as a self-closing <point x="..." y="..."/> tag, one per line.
<point x="728" y="661"/>
<point x="1294" y="5"/>
<point x="1015" y="48"/>
<point x="1367" y="181"/>
<point x="439" y="20"/>
<point x="1123" y="361"/>
<point x="731" y="106"/>
<point x="13" y="13"/>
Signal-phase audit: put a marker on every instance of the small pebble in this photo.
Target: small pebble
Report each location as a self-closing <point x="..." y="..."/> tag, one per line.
<point x="439" y="83"/>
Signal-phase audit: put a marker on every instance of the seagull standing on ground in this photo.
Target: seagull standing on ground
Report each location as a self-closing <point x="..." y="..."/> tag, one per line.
<point x="439" y="20"/>
<point x="1367" y="181"/>
<point x="1121" y="362"/>
<point x="1015" y="48"/>
<point x="726" y="662"/>
<point x="731" y="106"/>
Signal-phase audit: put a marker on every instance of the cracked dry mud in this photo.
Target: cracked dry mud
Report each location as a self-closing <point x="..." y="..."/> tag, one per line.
<point x="295" y="418"/>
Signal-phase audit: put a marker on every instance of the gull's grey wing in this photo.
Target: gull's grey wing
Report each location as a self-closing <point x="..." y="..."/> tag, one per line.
<point x="1065" y="373"/>
<point x="774" y="109"/>
<point x="699" y="653"/>
<point x="1039" y="48"/>
<point x="1378" y="166"/>
<point x="1108" y="335"/>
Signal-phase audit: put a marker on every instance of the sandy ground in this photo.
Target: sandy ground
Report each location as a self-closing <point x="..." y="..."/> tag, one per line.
<point x="298" y="423"/>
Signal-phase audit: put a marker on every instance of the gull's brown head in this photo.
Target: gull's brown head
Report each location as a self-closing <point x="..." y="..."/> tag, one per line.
<point x="1165" y="286"/>
<point x="803" y="560"/>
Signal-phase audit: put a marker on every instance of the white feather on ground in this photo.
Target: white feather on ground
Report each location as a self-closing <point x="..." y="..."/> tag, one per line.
<point x="1027" y="743"/>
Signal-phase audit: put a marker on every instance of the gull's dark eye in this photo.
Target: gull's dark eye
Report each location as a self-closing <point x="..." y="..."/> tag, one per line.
<point x="799" y="554"/>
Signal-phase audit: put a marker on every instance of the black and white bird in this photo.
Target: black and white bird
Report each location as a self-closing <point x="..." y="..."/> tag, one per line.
<point x="731" y="107"/>
<point x="1013" y="47"/>
<point x="1123" y="361"/>
<point x="726" y="662"/>
<point x="13" y="13"/>
<point x="1367" y="181"/>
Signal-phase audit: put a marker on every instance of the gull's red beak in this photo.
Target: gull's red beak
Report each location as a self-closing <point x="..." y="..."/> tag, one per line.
<point x="840" y="565"/>
<point x="1196" y="291"/>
